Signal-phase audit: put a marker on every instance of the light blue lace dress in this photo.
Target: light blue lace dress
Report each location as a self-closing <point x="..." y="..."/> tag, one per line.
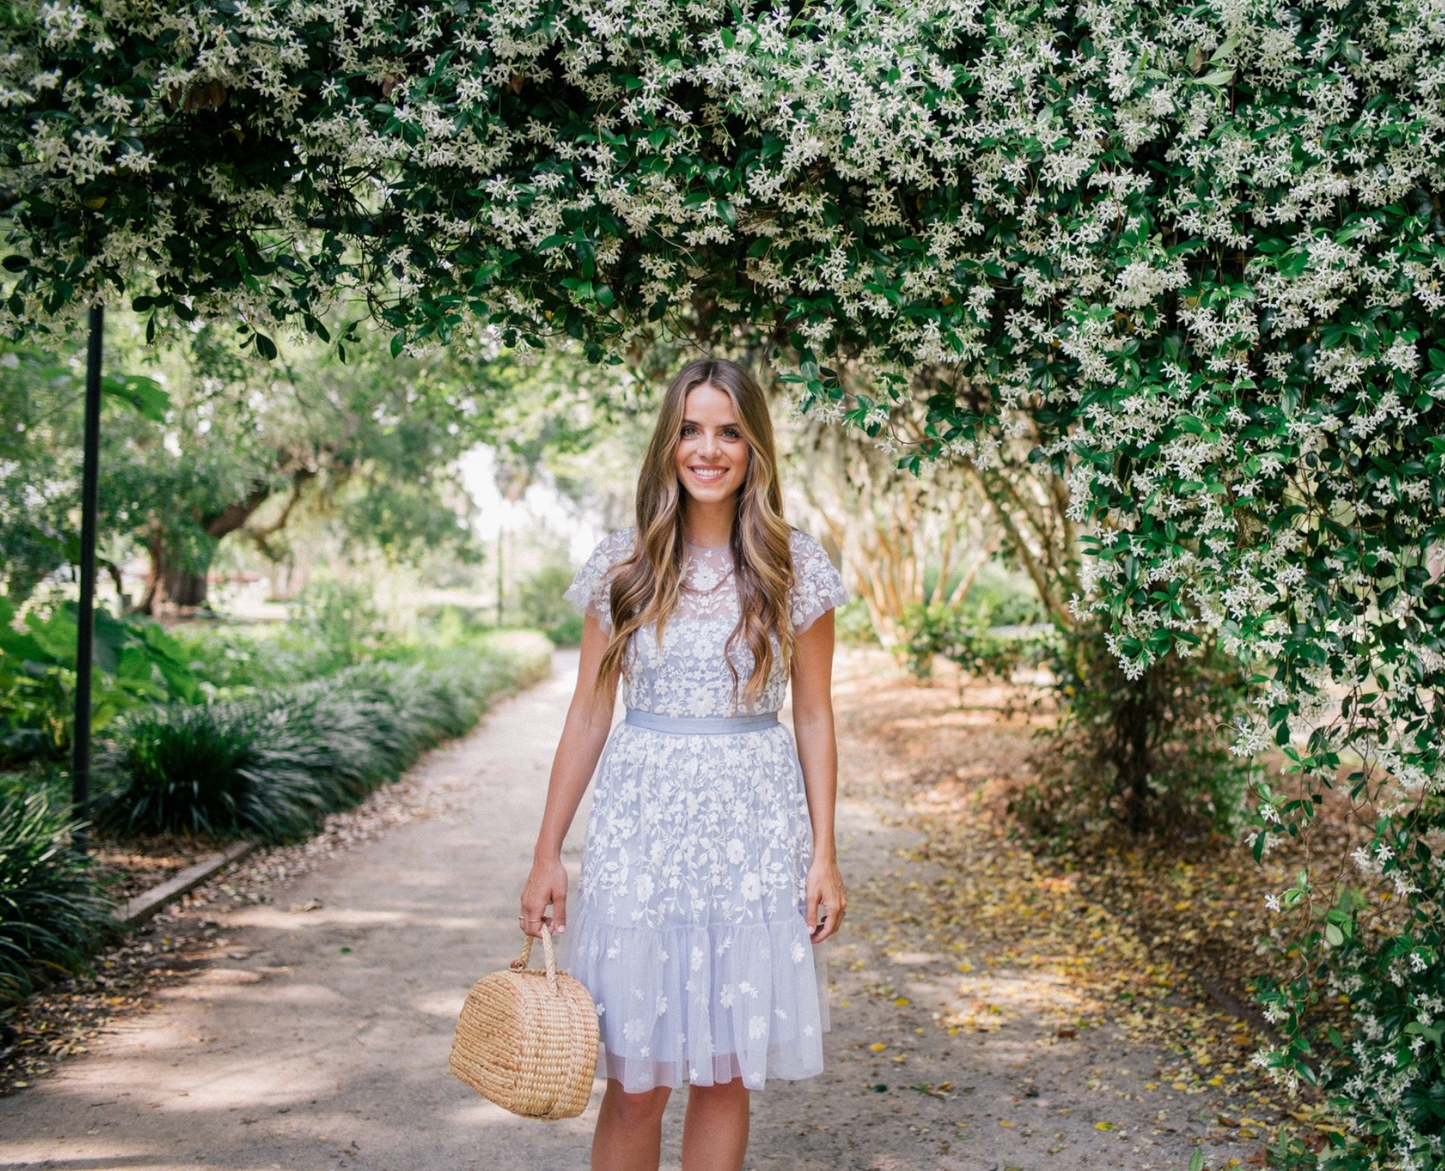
<point x="689" y="930"/>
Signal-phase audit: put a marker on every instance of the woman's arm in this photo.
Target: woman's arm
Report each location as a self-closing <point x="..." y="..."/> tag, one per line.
<point x="818" y="754"/>
<point x="589" y="719"/>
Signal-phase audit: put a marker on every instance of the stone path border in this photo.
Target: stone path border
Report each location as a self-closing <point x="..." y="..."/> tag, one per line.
<point x="144" y="905"/>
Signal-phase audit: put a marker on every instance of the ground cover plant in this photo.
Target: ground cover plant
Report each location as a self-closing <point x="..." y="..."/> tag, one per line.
<point x="50" y="911"/>
<point x="1197" y="251"/>
<point x="273" y="763"/>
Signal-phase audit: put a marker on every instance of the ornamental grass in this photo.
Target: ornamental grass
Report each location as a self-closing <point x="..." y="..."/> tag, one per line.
<point x="50" y="911"/>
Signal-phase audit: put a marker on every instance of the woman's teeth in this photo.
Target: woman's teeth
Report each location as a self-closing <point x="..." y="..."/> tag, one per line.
<point x="709" y="473"/>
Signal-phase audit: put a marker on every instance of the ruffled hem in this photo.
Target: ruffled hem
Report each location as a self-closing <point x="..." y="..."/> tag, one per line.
<point x="704" y="1004"/>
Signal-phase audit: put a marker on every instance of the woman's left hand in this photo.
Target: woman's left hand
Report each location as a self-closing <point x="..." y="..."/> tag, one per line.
<point x="826" y="899"/>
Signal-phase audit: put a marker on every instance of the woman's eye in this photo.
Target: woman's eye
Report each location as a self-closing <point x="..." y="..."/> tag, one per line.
<point x="689" y="430"/>
<point x="729" y="433"/>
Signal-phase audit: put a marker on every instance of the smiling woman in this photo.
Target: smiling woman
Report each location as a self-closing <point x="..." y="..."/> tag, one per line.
<point x="709" y="868"/>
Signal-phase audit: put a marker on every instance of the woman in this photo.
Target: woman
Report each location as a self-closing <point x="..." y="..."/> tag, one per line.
<point x="709" y="865"/>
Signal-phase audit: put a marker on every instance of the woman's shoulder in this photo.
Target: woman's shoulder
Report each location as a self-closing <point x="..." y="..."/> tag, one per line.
<point x="616" y="546"/>
<point x="805" y="546"/>
<point x="817" y="584"/>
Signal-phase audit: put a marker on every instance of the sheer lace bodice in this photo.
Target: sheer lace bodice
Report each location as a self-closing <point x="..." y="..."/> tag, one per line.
<point x="688" y="675"/>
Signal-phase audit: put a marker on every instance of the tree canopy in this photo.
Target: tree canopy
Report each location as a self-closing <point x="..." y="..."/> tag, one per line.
<point x="1200" y="248"/>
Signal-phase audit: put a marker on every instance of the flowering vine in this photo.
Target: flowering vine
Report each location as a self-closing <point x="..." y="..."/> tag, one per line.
<point x="1199" y="246"/>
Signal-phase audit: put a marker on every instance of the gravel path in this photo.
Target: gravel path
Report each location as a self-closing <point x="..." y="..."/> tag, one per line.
<point x="317" y="1034"/>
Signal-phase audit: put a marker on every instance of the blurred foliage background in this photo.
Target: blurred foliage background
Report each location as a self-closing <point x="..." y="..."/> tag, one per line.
<point x="314" y="568"/>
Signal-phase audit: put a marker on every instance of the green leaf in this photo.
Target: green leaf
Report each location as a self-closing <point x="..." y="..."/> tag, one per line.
<point x="146" y="395"/>
<point x="1196" y="1160"/>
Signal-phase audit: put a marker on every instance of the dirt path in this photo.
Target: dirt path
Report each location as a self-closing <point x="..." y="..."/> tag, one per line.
<point x="317" y="1036"/>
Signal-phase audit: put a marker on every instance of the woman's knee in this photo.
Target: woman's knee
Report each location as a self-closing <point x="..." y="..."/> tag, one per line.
<point x="637" y="1109"/>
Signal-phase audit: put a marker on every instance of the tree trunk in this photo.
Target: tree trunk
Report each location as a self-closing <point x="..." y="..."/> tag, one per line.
<point x="169" y="586"/>
<point x="1133" y="749"/>
<point x="184" y="588"/>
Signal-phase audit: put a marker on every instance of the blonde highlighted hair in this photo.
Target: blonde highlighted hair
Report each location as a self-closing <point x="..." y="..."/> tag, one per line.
<point x="647" y="586"/>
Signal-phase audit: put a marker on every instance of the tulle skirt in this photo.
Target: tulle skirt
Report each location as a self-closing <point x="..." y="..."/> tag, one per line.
<point x="704" y="1004"/>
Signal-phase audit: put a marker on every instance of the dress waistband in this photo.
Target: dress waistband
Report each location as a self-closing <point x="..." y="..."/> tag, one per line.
<point x="701" y="725"/>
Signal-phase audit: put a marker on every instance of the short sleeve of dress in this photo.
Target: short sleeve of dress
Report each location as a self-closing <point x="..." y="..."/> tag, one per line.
<point x="818" y="587"/>
<point x="589" y="589"/>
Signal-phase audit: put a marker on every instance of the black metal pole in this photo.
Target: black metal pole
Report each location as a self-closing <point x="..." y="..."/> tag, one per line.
<point x="85" y="618"/>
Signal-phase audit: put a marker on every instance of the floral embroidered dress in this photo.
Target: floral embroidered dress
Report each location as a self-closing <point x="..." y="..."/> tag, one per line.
<point x="690" y="930"/>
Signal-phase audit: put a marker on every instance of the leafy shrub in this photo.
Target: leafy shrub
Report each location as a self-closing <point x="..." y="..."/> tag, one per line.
<point x="333" y="625"/>
<point x="1007" y="601"/>
<point x="341" y="619"/>
<point x="205" y="769"/>
<point x="273" y="763"/>
<point x="231" y="660"/>
<point x="1151" y="753"/>
<point x="135" y="661"/>
<point x="854" y="624"/>
<point x="540" y="603"/>
<point x="965" y="636"/>
<point x="50" y="915"/>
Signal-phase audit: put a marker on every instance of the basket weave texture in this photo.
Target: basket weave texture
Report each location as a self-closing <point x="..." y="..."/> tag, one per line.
<point x="527" y="1039"/>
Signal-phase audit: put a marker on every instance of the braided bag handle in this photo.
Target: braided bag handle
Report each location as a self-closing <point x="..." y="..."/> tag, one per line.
<point x="549" y="956"/>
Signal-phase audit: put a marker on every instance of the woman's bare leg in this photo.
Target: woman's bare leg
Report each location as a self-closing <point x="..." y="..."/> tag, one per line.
<point x="715" y="1130"/>
<point x="629" y="1129"/>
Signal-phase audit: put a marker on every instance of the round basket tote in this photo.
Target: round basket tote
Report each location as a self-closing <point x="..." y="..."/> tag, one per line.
<point x="527" y="1039"/>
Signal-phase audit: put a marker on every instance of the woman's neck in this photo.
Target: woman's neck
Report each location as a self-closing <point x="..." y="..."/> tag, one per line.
<point x="710" y="525"/>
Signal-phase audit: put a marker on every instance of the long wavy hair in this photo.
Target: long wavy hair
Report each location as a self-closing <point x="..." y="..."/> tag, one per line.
<point x="648" y="585"/>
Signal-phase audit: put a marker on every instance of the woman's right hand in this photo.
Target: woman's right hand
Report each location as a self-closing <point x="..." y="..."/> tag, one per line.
<point x="546" y="885"/>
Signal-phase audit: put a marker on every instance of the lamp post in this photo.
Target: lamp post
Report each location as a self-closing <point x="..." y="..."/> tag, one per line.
<point x="85" y="617"/>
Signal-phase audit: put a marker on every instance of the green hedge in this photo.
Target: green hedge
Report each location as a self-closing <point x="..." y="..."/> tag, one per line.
<point x="274" y="763"/>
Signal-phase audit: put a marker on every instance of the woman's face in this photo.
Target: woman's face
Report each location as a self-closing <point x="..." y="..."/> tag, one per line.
<point x="712" y="455"/>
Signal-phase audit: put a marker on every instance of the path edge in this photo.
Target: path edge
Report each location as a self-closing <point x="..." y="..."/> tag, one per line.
<point x="146" y="904"/>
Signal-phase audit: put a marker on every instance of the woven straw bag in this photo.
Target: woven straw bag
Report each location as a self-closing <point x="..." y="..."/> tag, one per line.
<point x="527" y="1039"/>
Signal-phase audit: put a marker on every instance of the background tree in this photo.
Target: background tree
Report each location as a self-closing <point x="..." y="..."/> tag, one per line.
<point x="233" y="445"/>
<point x="907" y="541"/>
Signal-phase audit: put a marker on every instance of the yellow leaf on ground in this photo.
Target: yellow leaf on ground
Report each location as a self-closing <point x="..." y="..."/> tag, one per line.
<point x="877" y="1047"/>
<point x="1104" y="1126"/>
